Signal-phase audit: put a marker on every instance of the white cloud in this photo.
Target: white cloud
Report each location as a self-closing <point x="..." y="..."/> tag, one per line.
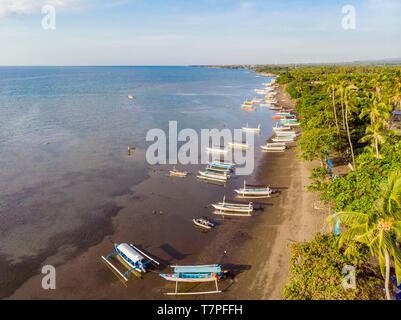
<point x="26" y="7"/>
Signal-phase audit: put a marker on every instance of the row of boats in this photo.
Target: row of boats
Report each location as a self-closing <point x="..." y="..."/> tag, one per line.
<point x="132" y="260"/>
<point x="269" y="100"/>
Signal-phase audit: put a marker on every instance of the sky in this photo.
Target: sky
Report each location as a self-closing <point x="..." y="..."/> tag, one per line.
<point x="186" y="32"/>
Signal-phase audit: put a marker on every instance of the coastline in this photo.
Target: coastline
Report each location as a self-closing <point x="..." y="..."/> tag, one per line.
<point x="236" y="242"/>
<point x="291" y="218"/>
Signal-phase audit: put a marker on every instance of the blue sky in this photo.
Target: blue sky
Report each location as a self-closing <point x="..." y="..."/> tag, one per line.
<point x="178" y="32"/>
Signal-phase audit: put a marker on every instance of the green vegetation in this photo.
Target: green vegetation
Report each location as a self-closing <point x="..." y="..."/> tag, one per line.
<point x="316" y="272"/>
<point x="345" y="114"/>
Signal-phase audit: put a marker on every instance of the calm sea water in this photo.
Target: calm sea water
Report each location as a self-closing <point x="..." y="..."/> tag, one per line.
<point x="64" y="133"/>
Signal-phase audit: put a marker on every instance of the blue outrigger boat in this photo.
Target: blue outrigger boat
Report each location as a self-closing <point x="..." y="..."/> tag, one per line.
<point x="223" y="165"/>
<point x="131" y="258"/>
<point x="195" y="274"/>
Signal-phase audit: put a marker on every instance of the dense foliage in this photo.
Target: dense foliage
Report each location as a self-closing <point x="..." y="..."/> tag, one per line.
<point x="345" y="110"/>
<point x="316" y="272"/>
<point x="345" y="114"/>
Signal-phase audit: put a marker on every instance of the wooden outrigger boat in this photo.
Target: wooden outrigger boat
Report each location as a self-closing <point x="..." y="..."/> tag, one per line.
<point x="287" y="114"/>
<point x="283" y="139"/>
<point x="248" y="108"/>
<point x="253" y="192"/>
<point x="261" y="91"/>
<point x="273" y="148"/>
<point x="218" y="169"/>
<point x="221" y="164"/>
<point x="195" y="274"/>
<point x="289" y="122"/>
<point x="176" y="173"/>
<point x="238" y="145"/>
<point x="203" y="223"/>
<point x="133" y="259"/>
<point x="256" y="101"/>
<point x="233" y="209"/>
<point x="286" y="134"/>
<point x="281" y="129"/>
<point x="216" y="150"/>
<point x="248" y="129"/>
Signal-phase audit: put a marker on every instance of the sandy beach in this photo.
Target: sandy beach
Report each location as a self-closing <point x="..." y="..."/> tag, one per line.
<point x="255" y="249"/>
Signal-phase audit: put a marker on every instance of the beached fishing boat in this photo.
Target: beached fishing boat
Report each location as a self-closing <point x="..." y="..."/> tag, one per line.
<point x="213" y="176"/>
<point x="261" y="91"/>
<point x="248" y="108"/>
<point x="281" y="129"/>
<point x="287" y="114"/>
<point x="218" y="169"/>
<point x="177" y="173"/>
<point x="283" y="139"/>
<point x="195" y="274"/>
<point x="289" y="122"/>
<point x="221" y="164"/>
<point x="248" y="129"/>
<point x="232" y="209"/>
<point x="219" y="150"/>
<point x="203" y="223"/>
<point x="238" y="145"/>
<point x="253" y="192"/>
<point x="131" y="258"/>
<point x="286" y="134"/>
<point x="273" y="148"/>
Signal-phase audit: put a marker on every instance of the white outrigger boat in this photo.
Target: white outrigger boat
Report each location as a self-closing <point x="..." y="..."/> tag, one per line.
<point x="238" y="145"/>
<point x="233" y="209"/>
<point x="253" y="192"/>
<point x="177" y="173"/>
<point x="195" y="274"/>
<point x="216" y="150"/>
<point x="281" y="129"/>
<point x="221" y="164"/>
<point x="256" y="101"/>
<point x="203" y="223"/>
<point x="283" y="139"/>
<point x="218" y="169"/>
<point x="248" y="129"/>
<point x="207" y="175"/>
<point x="286" y="134"/>
<point x="261" y="91"/>
<point x="247" y="104"/>
<point x="273" y="147"/>
<point x="131" y="258"/>
<point x="289" y="122"/>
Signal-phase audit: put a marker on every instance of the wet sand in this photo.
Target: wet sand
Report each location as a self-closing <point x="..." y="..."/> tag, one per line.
<point x="151" y="216"/>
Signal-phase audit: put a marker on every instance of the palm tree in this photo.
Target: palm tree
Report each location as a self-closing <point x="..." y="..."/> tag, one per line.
<point x="379" y="229"/>
<point x="332" y="91"/>
<point x="349" y="101"/>
<point x="341" y="89"/>
<point x="379" y="113"/>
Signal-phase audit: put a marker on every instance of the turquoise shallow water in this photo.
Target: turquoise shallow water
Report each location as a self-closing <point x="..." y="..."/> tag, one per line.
<point x="64" y="133"/>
